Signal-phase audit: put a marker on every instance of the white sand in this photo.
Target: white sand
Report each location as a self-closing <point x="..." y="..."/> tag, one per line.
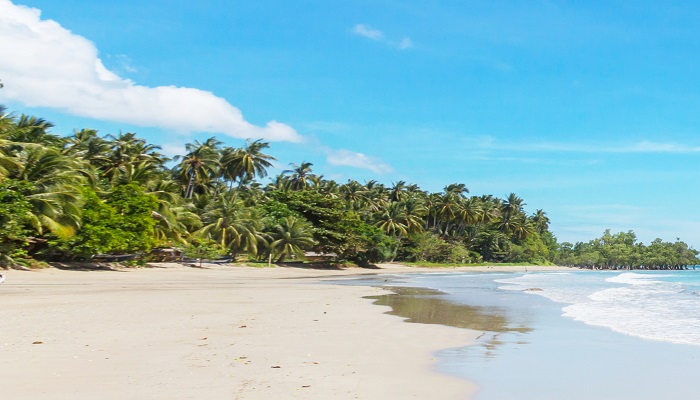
<point x="219" y="333"/>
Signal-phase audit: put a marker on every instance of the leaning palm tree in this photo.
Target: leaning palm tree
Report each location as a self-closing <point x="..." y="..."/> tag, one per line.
<point x="292" y="236"/>
<point x="175" y="219"/>
<point x="199" y="165"/>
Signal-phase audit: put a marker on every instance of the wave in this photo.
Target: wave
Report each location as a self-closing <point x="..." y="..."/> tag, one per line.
<point x="652" y="306"/>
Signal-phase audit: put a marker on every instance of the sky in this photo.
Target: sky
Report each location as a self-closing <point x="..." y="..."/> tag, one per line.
<point x="589" y="110"/>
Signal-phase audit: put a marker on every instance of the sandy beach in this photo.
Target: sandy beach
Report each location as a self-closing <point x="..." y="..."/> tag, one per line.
<point x="222" y="332"/>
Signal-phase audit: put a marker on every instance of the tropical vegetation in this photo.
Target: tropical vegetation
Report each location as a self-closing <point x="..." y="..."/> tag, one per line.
<point x="67" y="198"/>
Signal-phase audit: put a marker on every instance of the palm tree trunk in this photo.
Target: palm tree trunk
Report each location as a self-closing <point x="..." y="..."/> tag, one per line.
<point x="396" y="249"/>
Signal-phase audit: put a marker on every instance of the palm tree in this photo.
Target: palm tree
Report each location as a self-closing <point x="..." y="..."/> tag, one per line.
<point x="124" y="155"/>
<point x="199" y="165"/>
<point x="513" y="205"/>
<point x="29" y="129"/>
<point x="300" y="176"/>
<point x="457" y="188"/>
<point x="329" y="188"/>
<point x="511" y="212"/>
<point x="87" y="145"/>
<point x="377" y="196"/>
<point x="415" y="211"/>
<point x="57" y="182"/>
<point x="354" y="193"/>
<point x="392" y="220"/>
<point x="292" y="236"/>
<point x="541" y="221"/>
<point x="469" y="213"/>
<point x="246" y="163"/>
<point x="175" y="219"/>
<point x="228" y="222"/>
<point x="523" y="227"/>
<point x="398" y="191"/>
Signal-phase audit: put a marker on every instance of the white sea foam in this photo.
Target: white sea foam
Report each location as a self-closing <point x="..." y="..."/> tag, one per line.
<point x="633" y="278"/>
<point x="649" y="305"/>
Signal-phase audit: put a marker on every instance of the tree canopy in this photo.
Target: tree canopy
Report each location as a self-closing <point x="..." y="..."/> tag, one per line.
<point x="73" y="197"/>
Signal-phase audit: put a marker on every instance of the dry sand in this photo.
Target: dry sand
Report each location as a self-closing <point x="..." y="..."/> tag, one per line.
<point x="222" y="332"/>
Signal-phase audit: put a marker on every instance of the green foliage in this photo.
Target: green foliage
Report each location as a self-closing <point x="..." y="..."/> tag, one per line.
<point x="49" y="204"/>
<point x="532" y="250"/>
<point x="429" y="247"/>
<point x="335" y="228"/>
<point x="203" y="249"/>
<point x="15" y="211"/>
<point x="622" y="250"/>
<point x="377" y="246"/>
<point x="274" y="213"/>
<point x="135" y="216"/>
<point x="121" y="223"/>
<point x="292" y="236"/>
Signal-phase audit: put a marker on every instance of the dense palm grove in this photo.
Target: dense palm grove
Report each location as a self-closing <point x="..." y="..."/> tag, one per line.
<point x="71" y="198"/>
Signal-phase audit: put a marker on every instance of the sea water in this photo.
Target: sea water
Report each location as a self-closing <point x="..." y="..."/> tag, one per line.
<point x="575" y="335"/>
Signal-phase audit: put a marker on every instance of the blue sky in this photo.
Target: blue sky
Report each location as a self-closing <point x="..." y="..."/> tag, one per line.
<point x="586" y="109"/>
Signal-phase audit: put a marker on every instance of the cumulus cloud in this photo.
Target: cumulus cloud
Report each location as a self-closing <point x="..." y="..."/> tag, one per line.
<point x="349" y="158"/>
<point x="371" y="33"/>
<point x="46" y="65"/>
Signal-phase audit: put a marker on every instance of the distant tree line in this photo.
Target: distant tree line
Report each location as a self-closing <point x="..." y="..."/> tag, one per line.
<point x="623" y="251"/>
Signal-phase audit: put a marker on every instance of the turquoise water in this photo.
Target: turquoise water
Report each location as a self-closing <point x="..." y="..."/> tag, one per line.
<point x="587" y="334"/>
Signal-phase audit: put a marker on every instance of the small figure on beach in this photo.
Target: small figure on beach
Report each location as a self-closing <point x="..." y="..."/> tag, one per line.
<point x="2" y="278"/>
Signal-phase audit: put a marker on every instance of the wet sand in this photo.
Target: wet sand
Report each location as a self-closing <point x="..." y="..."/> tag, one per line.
<point x="222" y="332"/>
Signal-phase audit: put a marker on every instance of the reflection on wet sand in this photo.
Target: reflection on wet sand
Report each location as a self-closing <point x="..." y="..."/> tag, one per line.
<point x="427" y="306"/>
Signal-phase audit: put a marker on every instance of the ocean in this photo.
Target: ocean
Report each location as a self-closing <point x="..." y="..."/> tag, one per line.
<point x="574" y="335"/>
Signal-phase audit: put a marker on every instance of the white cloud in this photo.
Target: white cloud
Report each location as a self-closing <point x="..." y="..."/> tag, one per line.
<point x="357" y="160"/>
<point x="489" y="143"/>
<point x="368" y="32"/>
<point x="653" y="147"/>
<point x="371" y="33"/>
<point x="46" y="65"/>
<point x="405" y="43"/>
<point x="173" y="149"/>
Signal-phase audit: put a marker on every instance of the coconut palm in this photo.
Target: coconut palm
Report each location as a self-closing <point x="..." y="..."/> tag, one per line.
<point x="246" y="163"/>
<point x="415" y="212"/>
<point x="127" y="158"/>
<point x="57" y="182"/>
<point x="541" y="221"/>
<point x="228" y="222"/>
<point x="398" y="191"/>
<point x="469" y="213"/>
<point x="29" y="129"/>
<point x="199" y="165"/>
<point x="87" y="145"/>
<point x="523" y="227"/>
<point x="392" y="220"/>
<point x="458" y="189"/>
<point x="354" y="193"/>
<point x="174" y="218"/>
<point x="300" y="176"/>
<point x="291" y="237"/>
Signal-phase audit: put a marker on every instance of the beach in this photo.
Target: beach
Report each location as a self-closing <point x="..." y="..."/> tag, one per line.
<point x="219" y="332"/>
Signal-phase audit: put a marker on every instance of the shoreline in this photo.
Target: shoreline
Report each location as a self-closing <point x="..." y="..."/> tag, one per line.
<point x="172" y="332"/>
